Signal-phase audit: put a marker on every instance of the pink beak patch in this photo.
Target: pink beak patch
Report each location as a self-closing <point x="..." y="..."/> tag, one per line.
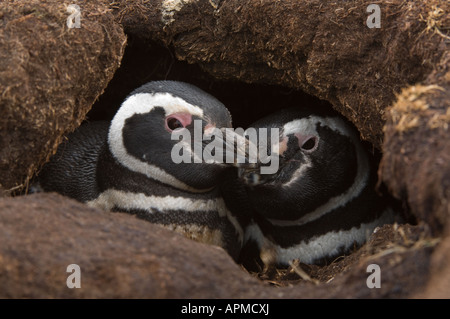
<point x="283" y="145"/>
<point x="184" y="118"/>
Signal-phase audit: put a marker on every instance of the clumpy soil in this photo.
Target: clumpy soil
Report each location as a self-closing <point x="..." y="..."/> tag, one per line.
<point x="49" y="78"/>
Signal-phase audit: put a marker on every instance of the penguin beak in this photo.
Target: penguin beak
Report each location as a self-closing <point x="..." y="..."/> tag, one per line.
<point x="250" y="176"/>
<point x="253" y="175"/>
<point x="236" y="149"/>
<point x="242" y="152"/>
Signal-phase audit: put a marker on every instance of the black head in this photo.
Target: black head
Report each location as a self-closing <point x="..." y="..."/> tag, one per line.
<point x="155" y="130"/>
<point x="319" y="158"/>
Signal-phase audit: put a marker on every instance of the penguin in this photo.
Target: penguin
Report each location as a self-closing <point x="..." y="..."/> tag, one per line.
<point x="321" y="202"/>
<point x="127" y="165"/>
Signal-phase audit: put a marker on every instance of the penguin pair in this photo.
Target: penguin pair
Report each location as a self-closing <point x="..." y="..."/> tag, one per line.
<point x="127" y="165"/>
<point x="321" y="203"/>
<point x="318" y="204"/>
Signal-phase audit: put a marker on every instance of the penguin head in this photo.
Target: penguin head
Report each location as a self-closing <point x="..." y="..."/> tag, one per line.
<point x="318" y="154"/>
<point x="141" y="134"/>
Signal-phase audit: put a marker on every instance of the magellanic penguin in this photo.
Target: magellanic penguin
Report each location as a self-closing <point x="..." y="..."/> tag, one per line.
<point x="322" y="201"/>
<point x="127" y="165"/>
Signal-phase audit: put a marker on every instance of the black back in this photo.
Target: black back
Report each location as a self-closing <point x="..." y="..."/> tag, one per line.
<point x="72" y="170"/>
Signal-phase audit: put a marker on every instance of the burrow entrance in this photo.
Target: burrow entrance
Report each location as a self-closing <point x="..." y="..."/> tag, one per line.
<point x="146" y="61"/>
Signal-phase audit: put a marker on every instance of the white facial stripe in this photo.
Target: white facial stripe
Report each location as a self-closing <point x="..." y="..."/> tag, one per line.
<point x="144" y="102"/>
<point x="128" y="201"/>
<point x="139" y="104"/>
<point x="358" y="185"/>
<point x="308" y="126"/>
<point x="299" y="172"/>
<point x="324" y="245"/>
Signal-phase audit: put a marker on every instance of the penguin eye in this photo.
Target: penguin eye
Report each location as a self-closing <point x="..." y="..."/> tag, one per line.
<point x="310" y="144"/>
<point x="173" y="123"/>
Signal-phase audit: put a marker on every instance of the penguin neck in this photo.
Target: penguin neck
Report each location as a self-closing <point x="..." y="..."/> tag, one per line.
<point x="112" y="174"/>
<point x="335" y="232"/>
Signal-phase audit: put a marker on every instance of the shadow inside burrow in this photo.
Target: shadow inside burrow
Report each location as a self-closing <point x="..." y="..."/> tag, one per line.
<point x="148" y="61"/>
